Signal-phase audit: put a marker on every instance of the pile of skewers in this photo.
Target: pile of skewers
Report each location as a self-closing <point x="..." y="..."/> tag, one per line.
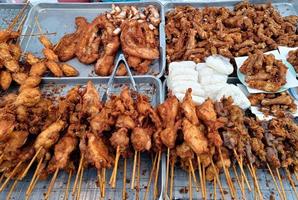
<point x="209" y="137"/>
<point x="53" y="133"/>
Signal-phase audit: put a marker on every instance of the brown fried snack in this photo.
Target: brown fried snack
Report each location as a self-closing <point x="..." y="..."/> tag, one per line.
<point x="293" y="59"/>
<point x="264" y="72"/>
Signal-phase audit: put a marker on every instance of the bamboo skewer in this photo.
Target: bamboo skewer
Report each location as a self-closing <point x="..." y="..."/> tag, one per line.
<point x="124" y="180"/>
<point x="1" y="178"/>
<point x="229" y="181"/>
<point x="172" y="179"/>
<point x="193" y="174"/>
<point x="30" y="164"/>
<point x="34" y="175"/>
<point x="150" y="177"/>
<point x="214" y="185"/>
<point x="134" y="171"/>
<point x="67" y="185"/>
<point x="155" y="190"/>
<point x="10" y="176"/>
<point x="52" y="183"/>
<point x="218" y="180"/>
<point x="253" y="172"/>
<point x="103" y="182"/>
<point x="38" y="34"/>
<point x="11" y="189"/>
<point x="190" y="184"/>
<point x="138" y="177"/>
<point x="167" y="172"/>
<point x="78" y="175"/>
<point x="239" y="161"/>
<point x="281" y="184"/>
<point x="239" y="183"/>
<point x="80" y="184"/>
<point x="113" y="178"/>
<point x="32" y="187"/>
<point x="274" y="180"/>
<point x="15" y="20"/>
<point x="292" y="183"/>
<point x="201" y="177"/>
<point x="204" y="181"/>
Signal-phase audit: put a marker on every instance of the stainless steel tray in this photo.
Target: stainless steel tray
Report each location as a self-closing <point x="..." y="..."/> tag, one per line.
<point x="148" y="85"/>
<point x="59" y="18"/>
<point x="8" y="11"/>
<point x="285" y="7"/>
<point x="265" y="180"/>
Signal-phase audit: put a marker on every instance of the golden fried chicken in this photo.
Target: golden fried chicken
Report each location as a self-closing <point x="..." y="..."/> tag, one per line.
<point x="141" y="139"/>
<point x="45" y="42"/>
<point x="194" y="137"/>
<point x="125" y="121"/>
<point x="168" y="135"/>
<point x="69" y="70"/>
<point x="184" y="151"/>
<point x="38" y="69"/>
<point x="28" y="97"/>
<point x="50" y="55"/>
<point x="189" y="109"/>
<point x="97" y="152"/>
<point x="168" y="111"/>
<point x="91" y="100"/>
<point x="5" y="79"/>
<point x="54" y="68"/>
<point x="120" y="139"/>
<point x="16" y="140"/>
<point x="293" y="59"/>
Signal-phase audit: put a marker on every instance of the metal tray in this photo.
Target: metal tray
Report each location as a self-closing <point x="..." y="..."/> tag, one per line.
<point x="265" y="180"/>
<point x="285" y="7"/>
<point x="8" y="11"/>
<point x="60" y="18"/>
<point x="149" y="85"/>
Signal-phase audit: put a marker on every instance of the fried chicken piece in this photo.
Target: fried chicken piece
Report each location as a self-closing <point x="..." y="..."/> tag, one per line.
<point x="168" y="135"/>
<point x="282" y="99"/>
<point x="69" y="70"/>
<point x="293" y="59"/>
<point x="102" y="121"/>
<point x="5" y="79"/>
<point x="206" y="111"/>
<point x="31" y="59"/>
<point x="66" y="48"/>
<point x="15" y="51"/>
<point x="30" y="82"/>
<point x="28" y="97"/>
<point x="15" y="141"/>
<point x="66" y="145"/>
<point x="97" y="152"/>
<point x="258" y="147"/>
<point x="120" y="139"/>
<point x="211" y="173"/>
<point x="194" y="137"/>
<point x="45" y="42"/>
<point x="225" y="161"/>
<point x="184" y="151"/>
<point x="111" y="43"/>
<point x="50" y="55"/>
<point x="38" y="69"/>
<point x="54" y="68"/>
<point x="189" y="109"/>
<point x="7" y="125"/>
<point x="141" y="139"/>
<point x="127" y="100"/>
<point x="272" y="157"/>
<point x="19" y="77"/>
<point x="91" y="100"/>
<point x="48" y="137"/>
<point x="168" y="111"/>
<point x="125" y="121"/>
<point x="256" y="99"/>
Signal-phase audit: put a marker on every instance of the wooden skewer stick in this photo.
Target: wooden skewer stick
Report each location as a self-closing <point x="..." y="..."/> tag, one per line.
<point x="150" y="177"/>
<point x="10" y="176"/>
<point x="214" y="185"/>
<point x="229" y="181"/>
<point x="39" y="34"/>
<point x="35" y="175"/>
<point x="67" y="185"/>
<point x="38" y="25"/>
<point x="1" y="178"/>
<point x="218" y="180"/>
<point x="296" y="175"/>
<point x="253" y="173"/>
<point x="15" y="20"/>
<point x="124" y="181"/>
<point x="32" y="187"/>
<point x="30" y="164"/>
<point x="52" y="183"/>
<point x="274" y="180"/>
<point x="167" y="173"/>
<point x="239" y="183"/>
<point x="239" y="161"/>
<point x="11" y="189"/>
<point x="138" y="176"/>
<point x="201" y="177"/>
<point x="80" y="184"/>
<point x="103" y="182"/>
<point x="172" y="179"/>
<point x="155" y="190"/>
<point x="281" y="184"/>
<point x="78" y="175"/>
<point x="190" y="184"/>
<point x="193" y="174"/>
<point x="116" y="167"/>
<point x="204" y="181"/>
<point x="292" y="183"/>
<point x="134" y="171"/>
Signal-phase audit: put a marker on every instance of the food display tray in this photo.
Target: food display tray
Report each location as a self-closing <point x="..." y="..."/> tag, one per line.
<point x="180" y="189"/>
<point x="59" y="18"/>
<point x="285" y="7"/>
<point x="149" y="85"/>
<point x="8" y="11"/>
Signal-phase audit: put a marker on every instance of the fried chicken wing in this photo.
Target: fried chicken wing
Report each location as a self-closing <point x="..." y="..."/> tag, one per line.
<point x="69" y="70"/>
<point x="141" y="139"/>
